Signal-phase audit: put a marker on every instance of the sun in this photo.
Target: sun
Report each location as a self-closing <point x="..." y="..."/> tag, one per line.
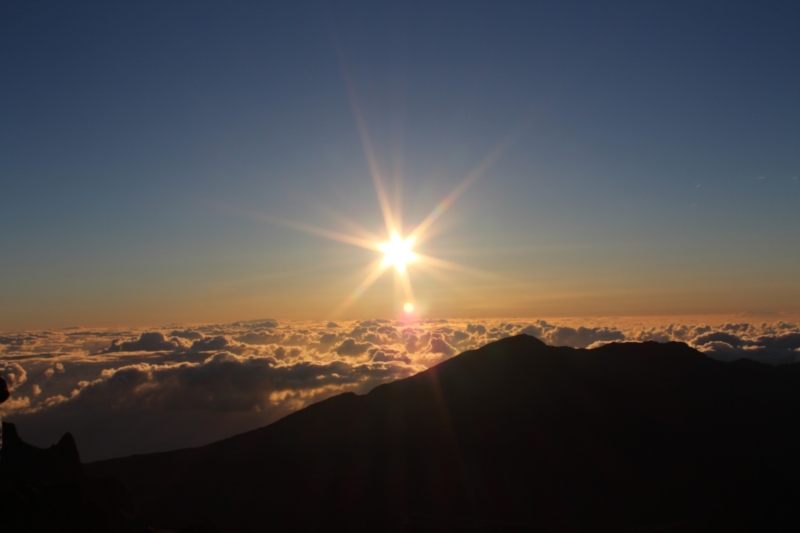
<point x="397" y="252"/>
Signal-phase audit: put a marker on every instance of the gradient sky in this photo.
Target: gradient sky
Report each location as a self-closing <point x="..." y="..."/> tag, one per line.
<point x="648" y="161"/>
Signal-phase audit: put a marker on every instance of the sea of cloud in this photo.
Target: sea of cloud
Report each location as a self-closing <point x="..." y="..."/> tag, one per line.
<point x="135" y="391"/>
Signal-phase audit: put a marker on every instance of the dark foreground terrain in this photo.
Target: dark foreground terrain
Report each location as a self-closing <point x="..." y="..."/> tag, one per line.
<point x="514" y="436"/>
<point x="45" y="491"/>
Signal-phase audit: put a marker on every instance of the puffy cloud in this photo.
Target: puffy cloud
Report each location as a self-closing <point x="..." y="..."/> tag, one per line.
<point x="774" y="348"/>
<point x="250" y="390"/>
<point x="388" y="354"/>
<point x="717" y="336"/>
<point x="476" y="328"/>
<point x="350" y="347"/>
<point x="212" y="344"/>
<point x="267" y="323"/>
<point x="533" y="330"/>
<point x="725" y="352"/>
<point x="18" y="340"/>
<point x="411" y="341"/>
<point x="260" y="337"/>
<point x="56" y="368"/>
<point x="15" y="404"/>
<point x="439" y="345"/>
<point x="326" y="339"/>
<point x="459" y="336"/>
<point x="287" y="355"/>
<point x="788" y="341"/>
<point x="256" y="324"/>
<point x="152" y="341"/>
<point x="184" y="386"/>
<point x="223" y="382"/>
<point x="583" y="337"/>
<point x="186" y="334"/>
<point x="14" y="375"/>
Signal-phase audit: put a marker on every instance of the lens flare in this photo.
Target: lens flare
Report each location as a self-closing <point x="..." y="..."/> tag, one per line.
<point x="397" y="251"/>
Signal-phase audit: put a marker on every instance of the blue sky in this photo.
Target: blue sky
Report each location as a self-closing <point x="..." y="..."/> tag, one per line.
<point x="141" y="143"/>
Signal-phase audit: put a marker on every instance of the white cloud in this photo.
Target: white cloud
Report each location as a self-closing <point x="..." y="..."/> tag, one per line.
<point x="149" y="341"/>
<point x="350" y="347"/>
<point x="14" y="374"/>
<point x="164" y="388"/>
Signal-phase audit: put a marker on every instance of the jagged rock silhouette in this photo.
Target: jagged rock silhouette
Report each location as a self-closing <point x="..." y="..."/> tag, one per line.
<point x="517" y="435"/>
<point x="4" y="394"/>
<point x="21" y="461"/>
<point x="44" y="490"/>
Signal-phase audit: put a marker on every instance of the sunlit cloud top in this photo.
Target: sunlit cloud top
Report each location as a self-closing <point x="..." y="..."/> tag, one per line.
<point x="122" y="391"/>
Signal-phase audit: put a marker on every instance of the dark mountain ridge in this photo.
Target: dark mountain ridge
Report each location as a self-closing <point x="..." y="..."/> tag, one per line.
<point x="516" y="435"/>
<point x="43" y="490"/>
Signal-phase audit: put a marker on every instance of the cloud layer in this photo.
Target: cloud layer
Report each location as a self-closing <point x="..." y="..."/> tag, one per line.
<point x="130" y="391"/>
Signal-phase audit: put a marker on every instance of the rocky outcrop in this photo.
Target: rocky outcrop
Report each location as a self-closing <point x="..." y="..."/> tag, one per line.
<point x="3" y="390"/>
<point x="44" y="490"/>
<point x="20" y="461"/>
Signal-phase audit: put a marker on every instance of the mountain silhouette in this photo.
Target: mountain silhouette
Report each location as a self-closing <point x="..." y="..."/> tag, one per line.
<point x="43" y="490"/>
<point x="19" y="460"/>
<point x="514" y="436"/>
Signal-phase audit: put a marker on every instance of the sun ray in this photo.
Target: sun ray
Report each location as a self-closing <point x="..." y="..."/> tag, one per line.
<point x="398" y="250"/>
<point x="366" y="142"/>
<point x="438" y="274"/>
<point x="367" y="243"/>
<point x="371" y="278"/>
<point x="397" y="287"/>
<point x="405" y="282"/>
<point x="455" y="267"/>
<point x="421" y="230"/>
<point x="347" y="222"/>
<point x="333" y="235"/>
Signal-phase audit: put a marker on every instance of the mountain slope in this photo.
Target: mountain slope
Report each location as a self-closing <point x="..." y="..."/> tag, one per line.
<point x="515" y="435"/>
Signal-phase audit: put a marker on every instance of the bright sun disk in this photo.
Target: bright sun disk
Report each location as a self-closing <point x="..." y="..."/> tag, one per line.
<point x="397" y="252"/>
